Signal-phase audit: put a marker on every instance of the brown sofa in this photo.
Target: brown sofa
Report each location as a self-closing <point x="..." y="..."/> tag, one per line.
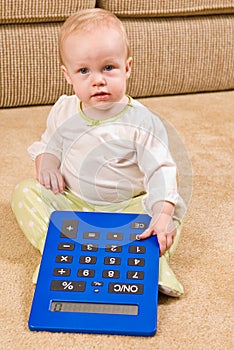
<point x="178" y="47"/>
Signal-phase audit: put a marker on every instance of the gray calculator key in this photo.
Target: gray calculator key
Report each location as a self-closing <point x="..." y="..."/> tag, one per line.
<point x="139" y="225"/>
<point x="138" y="249"/>
<point x="110" y="274"/>
<point x="91" y="235"/>
<point x="139" y="275"/>
<point x="68" y="286"/>
<point x="67" y="259"/>
<point x="62" y="272"/>
<point x="89" y="247"/>
<point x="69" y="229"/>
<point x="136" y="262"/>
<point x="112" y="236"/>
<point x="86" y="273"/>
<point x="112" y="248"/>
<point x="112" y="261"/>
<point x="126" y="288"/>
<point x="88" y="259"/>
<point x="66" y="246"/>
<point x="134" y="237"/>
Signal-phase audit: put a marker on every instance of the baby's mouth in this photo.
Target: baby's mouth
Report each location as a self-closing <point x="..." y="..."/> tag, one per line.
<point x="101" y="95"/>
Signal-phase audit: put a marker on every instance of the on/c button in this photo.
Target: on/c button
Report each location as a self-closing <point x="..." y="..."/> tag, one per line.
<point x="126" y="288"/>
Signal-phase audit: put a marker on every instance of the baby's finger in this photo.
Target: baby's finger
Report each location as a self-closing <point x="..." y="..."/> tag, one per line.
<point x="54" y="183"/>
<point x="45" y="180"/>
<point x="169" y="241"/>
<point x="162" y="241"/>
<point x="147" y="233"/>
<point x="57" y="183"/>
<point x="61" y="184"/>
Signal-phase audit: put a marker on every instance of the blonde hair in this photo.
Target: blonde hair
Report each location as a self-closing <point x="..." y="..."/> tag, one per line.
<point x="88" y="20"/>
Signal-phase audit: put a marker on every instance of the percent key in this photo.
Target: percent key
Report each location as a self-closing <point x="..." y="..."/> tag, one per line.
<point x="68" y="286"/>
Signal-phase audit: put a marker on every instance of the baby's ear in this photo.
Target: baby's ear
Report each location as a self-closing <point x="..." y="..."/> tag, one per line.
<point x="128" y="67"/>
<point x="65" y="73"/>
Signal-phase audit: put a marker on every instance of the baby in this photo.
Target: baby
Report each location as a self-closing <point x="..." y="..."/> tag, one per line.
<point x="102" y="150"/>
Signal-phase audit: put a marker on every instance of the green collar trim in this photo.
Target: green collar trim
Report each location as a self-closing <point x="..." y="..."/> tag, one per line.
<point x="94" y="122"/>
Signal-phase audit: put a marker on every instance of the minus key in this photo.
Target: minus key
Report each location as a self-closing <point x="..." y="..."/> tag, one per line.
<point x="66" y="246"/>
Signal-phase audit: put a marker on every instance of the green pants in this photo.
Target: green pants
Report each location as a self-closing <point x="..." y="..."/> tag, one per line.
<point x="32" y="205"/>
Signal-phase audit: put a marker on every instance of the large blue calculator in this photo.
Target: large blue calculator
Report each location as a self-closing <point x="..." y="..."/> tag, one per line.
<point x="96" y="276"/>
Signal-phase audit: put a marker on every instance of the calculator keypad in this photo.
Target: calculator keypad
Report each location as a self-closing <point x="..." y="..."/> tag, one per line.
<point x="116" y="270"/>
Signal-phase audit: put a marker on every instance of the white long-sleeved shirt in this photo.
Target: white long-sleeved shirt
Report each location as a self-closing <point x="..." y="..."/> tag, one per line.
<point x="111" y="160"/>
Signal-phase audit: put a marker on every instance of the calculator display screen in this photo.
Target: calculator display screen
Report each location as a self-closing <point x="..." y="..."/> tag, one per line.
<point x="99" y="308"/>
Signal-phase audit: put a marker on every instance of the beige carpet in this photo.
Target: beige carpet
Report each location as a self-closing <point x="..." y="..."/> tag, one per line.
<point x="202" y="318"/>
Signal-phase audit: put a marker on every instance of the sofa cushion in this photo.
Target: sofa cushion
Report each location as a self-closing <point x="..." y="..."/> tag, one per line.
<point x="198" y="56"/>
<point x="18" y="11"/>
<point x="148" y="8"/>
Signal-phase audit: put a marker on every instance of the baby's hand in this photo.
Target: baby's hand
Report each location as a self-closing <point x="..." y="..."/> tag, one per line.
<point x="164" y="228"/>
<point x="48" y="173"/>
<point x="52" y="179"/>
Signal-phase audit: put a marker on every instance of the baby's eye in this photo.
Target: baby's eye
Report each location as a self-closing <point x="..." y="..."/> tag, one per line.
<point x="83" y="70"/>
<point x="108" y="67"/>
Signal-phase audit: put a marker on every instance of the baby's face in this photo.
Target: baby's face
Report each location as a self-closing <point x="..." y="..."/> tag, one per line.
<point x="97" y="66"/>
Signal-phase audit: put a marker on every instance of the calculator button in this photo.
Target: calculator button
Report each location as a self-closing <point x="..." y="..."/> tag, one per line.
<point x="110" y="274"/>
<point x="111" y="248"/>
<point x="112" y="261"/>
<point x="64" y="258"/>
<point x="89" y="247"/>
<point x="62" y="272"/>
<point x="125" y="288"/>
<point x="139" y="249"/>
<point x="134" y="237"/>
<point x="69" y="229"/>
<point x="68" y="286"/>
<point x="88" y="260"/>
<point x="138" y="275"/>
<point x="86" y="273"/>
<point x="115" y="236"/>
<point x="139" y="225"/>
<point x="91" y="235"/>
<point x="136" y="262"/>
<point x="66" y="246"/>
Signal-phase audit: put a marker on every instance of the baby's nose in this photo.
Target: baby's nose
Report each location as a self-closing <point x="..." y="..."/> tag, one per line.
<point x="98" y="79"/>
